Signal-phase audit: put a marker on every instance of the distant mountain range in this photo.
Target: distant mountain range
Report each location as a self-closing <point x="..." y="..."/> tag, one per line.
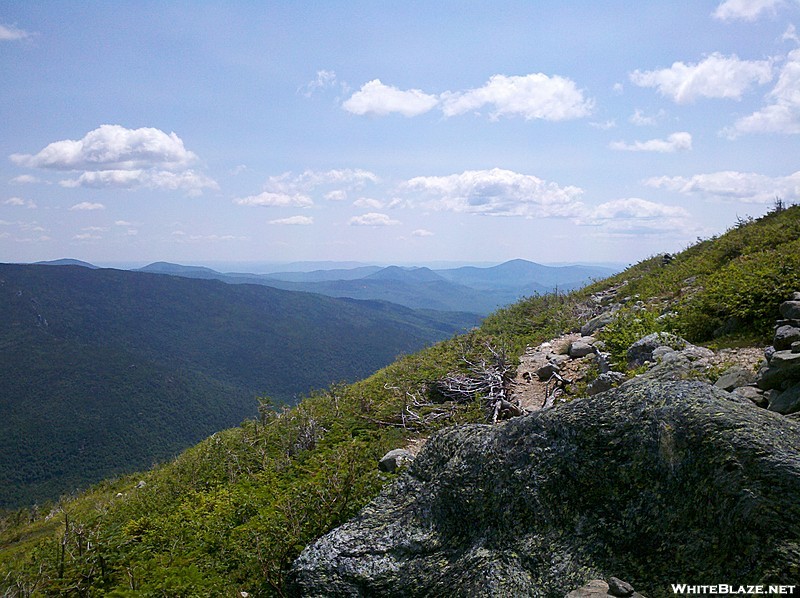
<point x="465" y="289"/>
<point x="104" y="371"/>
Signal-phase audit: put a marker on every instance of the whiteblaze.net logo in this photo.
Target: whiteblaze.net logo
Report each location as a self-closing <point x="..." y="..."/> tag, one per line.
<point x="686" y="589"/>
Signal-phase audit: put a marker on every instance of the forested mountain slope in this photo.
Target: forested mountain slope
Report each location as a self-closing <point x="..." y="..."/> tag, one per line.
<point x="106" y="371"/>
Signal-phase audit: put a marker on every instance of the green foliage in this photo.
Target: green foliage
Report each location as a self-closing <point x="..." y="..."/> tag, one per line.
<point x="629" y="326"/>
<point x="743" y="296"/>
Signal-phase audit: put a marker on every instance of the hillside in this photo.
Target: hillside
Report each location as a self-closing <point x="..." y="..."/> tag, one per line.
<point x="107" y="371"/>
<point x="233" y="513"/>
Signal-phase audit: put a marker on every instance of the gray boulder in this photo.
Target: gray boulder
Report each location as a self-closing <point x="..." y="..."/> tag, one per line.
<point x="756" y="395"/>
<point x="598" y="322"/>
<point x="784" y="337"/>
<point x="597" y="588"/>
<point x="603" y="382"/>
<point x="790" y="310"/>
<point x="580" y="348"/>
<point x="786" y="402"/>
<point x="395" y="459"/>
<point x="651" y="481"/>
<point x="735" y="377"/>
<point x="546" y="371"/>
<point x="783" y="369"/>
<point x="642" y="350"/>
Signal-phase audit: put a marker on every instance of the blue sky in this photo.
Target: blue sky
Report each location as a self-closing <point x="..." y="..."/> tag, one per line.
<point x="391" y="132"/>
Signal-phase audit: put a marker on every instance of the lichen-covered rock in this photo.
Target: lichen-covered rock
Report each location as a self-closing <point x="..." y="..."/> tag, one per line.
<point x="653" y="482"/>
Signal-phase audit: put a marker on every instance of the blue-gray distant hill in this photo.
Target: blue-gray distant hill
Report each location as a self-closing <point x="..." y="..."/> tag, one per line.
<point x="466" y="289"/>
<point x="105" y="371"/>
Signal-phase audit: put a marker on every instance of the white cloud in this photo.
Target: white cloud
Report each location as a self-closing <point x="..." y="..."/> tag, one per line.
<point x="113" y="156"/>
<point x="124" y="223"/>
<point x="18" y="201"/>
<point x="336" y="195"/>
<point x="294" y="221"/>
<point x="635" y="216"/>
<point x="346" y="178"/>
<point x="25" y="179"/>
<point x="746" y="10"/>
<point x="782" y="113"/>
<point x="11" y="33"/>
<point x="376" y="98"/>
<point x="675" y="142"/>
<point x="717" y="76"/>
<point x="534" y="96"/>
<point x="86" y="205"/>
<point x="498" y="192"/>
<point x="275" y="200"/>
<point x="746" y="187"/>
<point x="372" y="219"/>
<point x="368" y="202"/>
<point x="421" y="232"/>
<point x="112" y="147"/>
<point x="86" y="237"/>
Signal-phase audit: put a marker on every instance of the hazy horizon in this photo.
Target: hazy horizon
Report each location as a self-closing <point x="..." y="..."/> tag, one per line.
<point x="399" y="133"/>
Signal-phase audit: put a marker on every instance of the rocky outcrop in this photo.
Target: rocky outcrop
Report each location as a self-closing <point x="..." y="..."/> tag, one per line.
<point x="781" y="374"/>
<point x="655" y="481"/>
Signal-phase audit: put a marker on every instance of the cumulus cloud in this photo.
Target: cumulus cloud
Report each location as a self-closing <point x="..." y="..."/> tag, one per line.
<point x="746" y="10"/>
<point x="378" y="99"/>
<point x="635" y="216"/>
<point x="294" y="221"/>
<point x="673" y="143"/>
<point x="113" y="156"/>
<point x="782" y="112"/>
<point x="9" y="33"/>
<point x="746" y="187"/>
<point x="534" y="96"/>
<point x="421" y="232"/>
<point x="498" y="192"/>
<point x="717" y="76"/>
<point x="275" y="200"/>
<point x="373" y="219"/>
<point x="87" y="206"/>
